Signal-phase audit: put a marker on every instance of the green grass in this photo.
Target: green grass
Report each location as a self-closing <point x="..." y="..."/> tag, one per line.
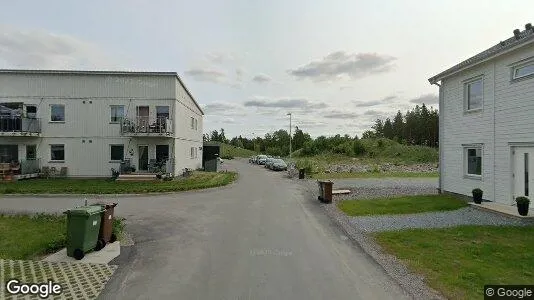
<point x="460" y="261"/>
<point x="229" y="151"/>
<point x="373" y="175"/>
<point x="199" y="180"/>
<point x="401" y="205"/>
<point x="31" y="237"/>
<point x="28" y="237"/>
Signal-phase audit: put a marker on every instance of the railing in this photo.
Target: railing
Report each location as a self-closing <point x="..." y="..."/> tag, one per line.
<point x="163" y="166"/>
<point x="20" y="124"/>
<point x="146" y="125"/>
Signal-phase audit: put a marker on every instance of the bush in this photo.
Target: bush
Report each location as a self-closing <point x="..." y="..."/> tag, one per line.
<point x="358" y="148"/>
<point x="345" y="148"/>
<point x="477" y="191"/>
<point x="227" y="156"/>
<point x="522" y="200"/>
<point x="309" y="149"/>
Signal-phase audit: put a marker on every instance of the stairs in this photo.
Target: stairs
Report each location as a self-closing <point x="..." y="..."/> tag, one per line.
<point x="137" y="177"/>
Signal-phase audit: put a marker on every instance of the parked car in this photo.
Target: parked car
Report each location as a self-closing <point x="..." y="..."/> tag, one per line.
<point x="262" y="159"/>
<point x="279" y="165"/>
<point x="268" y="162"/>
<point x="251" y="159"/>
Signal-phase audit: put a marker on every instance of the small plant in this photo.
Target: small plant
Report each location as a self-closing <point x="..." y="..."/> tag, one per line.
<point x="114" y="174"/>
<point x="522" y="205"/>
<point x="477" y="195"/>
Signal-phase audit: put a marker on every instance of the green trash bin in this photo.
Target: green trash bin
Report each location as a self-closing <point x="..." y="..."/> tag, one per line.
<point x="83" y="226"/>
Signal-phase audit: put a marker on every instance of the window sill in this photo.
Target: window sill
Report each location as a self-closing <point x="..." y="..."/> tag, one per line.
<point x="518" y="79"/>
<point x="56" y="121"/>
<point x="56" y="161"/>
<point x="115" y="161"/>
<point x="473" y="110"/>
<point x="114" y="122"/>
<point x="476" y="177"/>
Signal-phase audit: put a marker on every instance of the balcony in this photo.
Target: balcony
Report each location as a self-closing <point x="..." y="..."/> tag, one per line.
<point x="146" y="127"/>
<point x="20" y="169"/>
<point x="19" y="126"/>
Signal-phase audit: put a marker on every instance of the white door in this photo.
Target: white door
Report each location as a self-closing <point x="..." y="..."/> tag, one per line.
<point x="523" y="171"/>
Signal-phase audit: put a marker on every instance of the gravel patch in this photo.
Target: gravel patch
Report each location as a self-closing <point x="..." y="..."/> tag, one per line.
<point x="442" y="219"/>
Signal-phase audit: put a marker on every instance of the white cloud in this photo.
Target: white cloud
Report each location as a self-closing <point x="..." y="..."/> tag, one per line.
<point x="261" y="78"/>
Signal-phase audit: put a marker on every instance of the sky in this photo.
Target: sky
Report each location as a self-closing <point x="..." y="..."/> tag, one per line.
<point x="335" y="65"/>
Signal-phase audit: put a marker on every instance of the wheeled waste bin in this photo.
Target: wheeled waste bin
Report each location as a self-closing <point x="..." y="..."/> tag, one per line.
<point x="83" y="227"/>
<point x="325" y="191"/>
<point x="106" y="234"/>
<point x="302" y="173"/>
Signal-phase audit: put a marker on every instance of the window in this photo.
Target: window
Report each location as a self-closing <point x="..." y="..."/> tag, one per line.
<point x="192" y="123"/>
<point x="523" y="71"/>
<point x="9" y="153"/>
<point x="31" y="111"/>
<point x="474" y="94"/>
<point x="192" y="152"/>
<point x="117" y="152"/>
<point x="31" y="152"/>
<point x="57" y="152"/>
<point x="196" y="152"/>
<point x="117" y="113"/>
<point x="196" y="124"/>
<point x="474" y="161"/>
<point x="57" y="113"/>
<point x="162" y="112"/>
<point x="526" y="174"/>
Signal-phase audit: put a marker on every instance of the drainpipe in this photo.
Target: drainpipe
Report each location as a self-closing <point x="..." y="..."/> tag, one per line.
<point x="440" y="145"/>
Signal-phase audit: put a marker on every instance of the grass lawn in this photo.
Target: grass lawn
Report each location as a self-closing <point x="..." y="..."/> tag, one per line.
<point x="198" y="180"/>
<point x="30" y="237"/>
<point x="25" y="237"/>
<point x="401" y="205"/>
<point x="460" y="261"/>
<point x="373" y="175"/>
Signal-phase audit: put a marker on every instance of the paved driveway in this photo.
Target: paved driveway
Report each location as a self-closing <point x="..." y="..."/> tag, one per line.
<point x="260" y="238"/>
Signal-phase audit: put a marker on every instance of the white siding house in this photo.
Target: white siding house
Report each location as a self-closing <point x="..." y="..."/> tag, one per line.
<point x="486" y="108"/>
<point x="90" y="121"/>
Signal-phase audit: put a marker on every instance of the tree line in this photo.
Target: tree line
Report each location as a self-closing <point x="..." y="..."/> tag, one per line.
<point x="418" y="126"/>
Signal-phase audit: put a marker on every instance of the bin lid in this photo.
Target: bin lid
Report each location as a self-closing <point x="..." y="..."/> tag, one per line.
<point x="86" y="210"/>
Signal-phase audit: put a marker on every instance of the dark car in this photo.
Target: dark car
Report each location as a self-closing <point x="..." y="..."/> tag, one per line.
<point x="278" y="165"/>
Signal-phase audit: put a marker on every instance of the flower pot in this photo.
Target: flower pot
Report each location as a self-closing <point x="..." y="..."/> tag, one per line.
<point x="522" y="209"/>
<point x="477" y="198"/>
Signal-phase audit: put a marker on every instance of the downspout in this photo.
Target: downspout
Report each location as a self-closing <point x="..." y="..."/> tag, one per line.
<point x="440" y="144"/>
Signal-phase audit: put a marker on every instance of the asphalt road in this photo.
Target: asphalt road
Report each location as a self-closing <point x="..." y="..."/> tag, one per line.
<point x="262" y="237"/>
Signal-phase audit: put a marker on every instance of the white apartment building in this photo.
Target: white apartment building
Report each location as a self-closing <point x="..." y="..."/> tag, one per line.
<point x="85" y="123"/>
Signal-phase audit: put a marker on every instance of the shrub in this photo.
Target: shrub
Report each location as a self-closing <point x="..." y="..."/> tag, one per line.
<point x="522" y="200"/>
<point x="477" y="191"/>
<point x="358" y="148"/>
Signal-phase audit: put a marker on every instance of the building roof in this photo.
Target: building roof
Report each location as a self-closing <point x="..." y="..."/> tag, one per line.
<point x="519" y="39"/>
<point x="81" y="72"/>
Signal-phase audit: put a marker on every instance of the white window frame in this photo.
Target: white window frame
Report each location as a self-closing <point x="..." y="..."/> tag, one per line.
<point x="192" y="123"/>
<point x="466" y="148"/>
<point x="523" y="65"/>
<point x="467" y="83"/>
<point x="64" y="113"/>
<point x="116" y="145"/>
<point x="192" y="152"/>
<point x="111" y="113"/>
<point x="64" y="153"/>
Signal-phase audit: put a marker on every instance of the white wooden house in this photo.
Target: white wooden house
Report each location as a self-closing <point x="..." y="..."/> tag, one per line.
<point x="486" y="121"/>
<point x="88" y="122"/>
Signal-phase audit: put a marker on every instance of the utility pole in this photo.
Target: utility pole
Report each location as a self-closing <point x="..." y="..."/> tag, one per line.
<point x="290" y="136"/>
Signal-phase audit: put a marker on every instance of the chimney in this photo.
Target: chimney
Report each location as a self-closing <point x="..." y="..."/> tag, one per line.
<point x="516" y="33"/>
<point x="528" y="26"/>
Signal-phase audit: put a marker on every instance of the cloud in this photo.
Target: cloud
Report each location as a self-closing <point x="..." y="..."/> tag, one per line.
<point x="223" y="109"/>
<point x="386" y="100"/>
<point x="239" y="74"/>
<point x="372" y="112"/>
<point x="220" y="57"/>
<point x="268" y="106"/>
<point x="427" y="99"/>
<point x="261" y="78"/>
<point x="340" y="64"/>
<point x="345" y="87"/>
<point x="341" y="115"/>
<point x="209" y="75"/>
<point x="41" y="49"/>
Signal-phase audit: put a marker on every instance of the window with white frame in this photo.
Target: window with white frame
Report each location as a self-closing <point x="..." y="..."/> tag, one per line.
<point x="192" y="123"/>
<point x="196" y="152"/>
<point x="117" y="113"/>
<point x="474" y="94"/>
<point x="192" y="152"/>
<point x="57" y="152"/>
<point x="523" y="71"/>
<point x="196" y="124"/>
<point x="473" y="160"/>
<point x="116" y="152"/>
<point x="57" y="113"/>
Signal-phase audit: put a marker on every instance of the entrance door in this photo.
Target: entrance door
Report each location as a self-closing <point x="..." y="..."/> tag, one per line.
<point x="523" y="171"/>
<point x="143" y="114"/>
<point x="143" y="158"/>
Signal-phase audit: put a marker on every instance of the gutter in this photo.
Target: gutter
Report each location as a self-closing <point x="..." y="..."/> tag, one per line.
<point x="440" y="136"/>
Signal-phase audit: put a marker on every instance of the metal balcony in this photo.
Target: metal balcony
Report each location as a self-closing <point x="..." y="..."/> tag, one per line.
<point x="19" y="126"/>
<point x="145" y="126"/>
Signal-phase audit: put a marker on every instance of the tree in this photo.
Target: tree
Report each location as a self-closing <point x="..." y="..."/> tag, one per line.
<point x="388" y="129"/>
<point x="215" y="136"/>
<point x="398" y="126"/>
<point x="378" y="128"/>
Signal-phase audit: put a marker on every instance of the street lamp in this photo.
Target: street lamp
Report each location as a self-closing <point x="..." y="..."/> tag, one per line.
<point x="290" y="137"/>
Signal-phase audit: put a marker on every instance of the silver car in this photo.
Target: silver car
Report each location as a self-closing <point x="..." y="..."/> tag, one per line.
<point x="278" y="165"/>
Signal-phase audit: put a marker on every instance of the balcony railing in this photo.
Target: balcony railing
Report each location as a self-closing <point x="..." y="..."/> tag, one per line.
<point x="146" y="125"/>
<point x="20" y="124"/>
<point x="22" y="167"/>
